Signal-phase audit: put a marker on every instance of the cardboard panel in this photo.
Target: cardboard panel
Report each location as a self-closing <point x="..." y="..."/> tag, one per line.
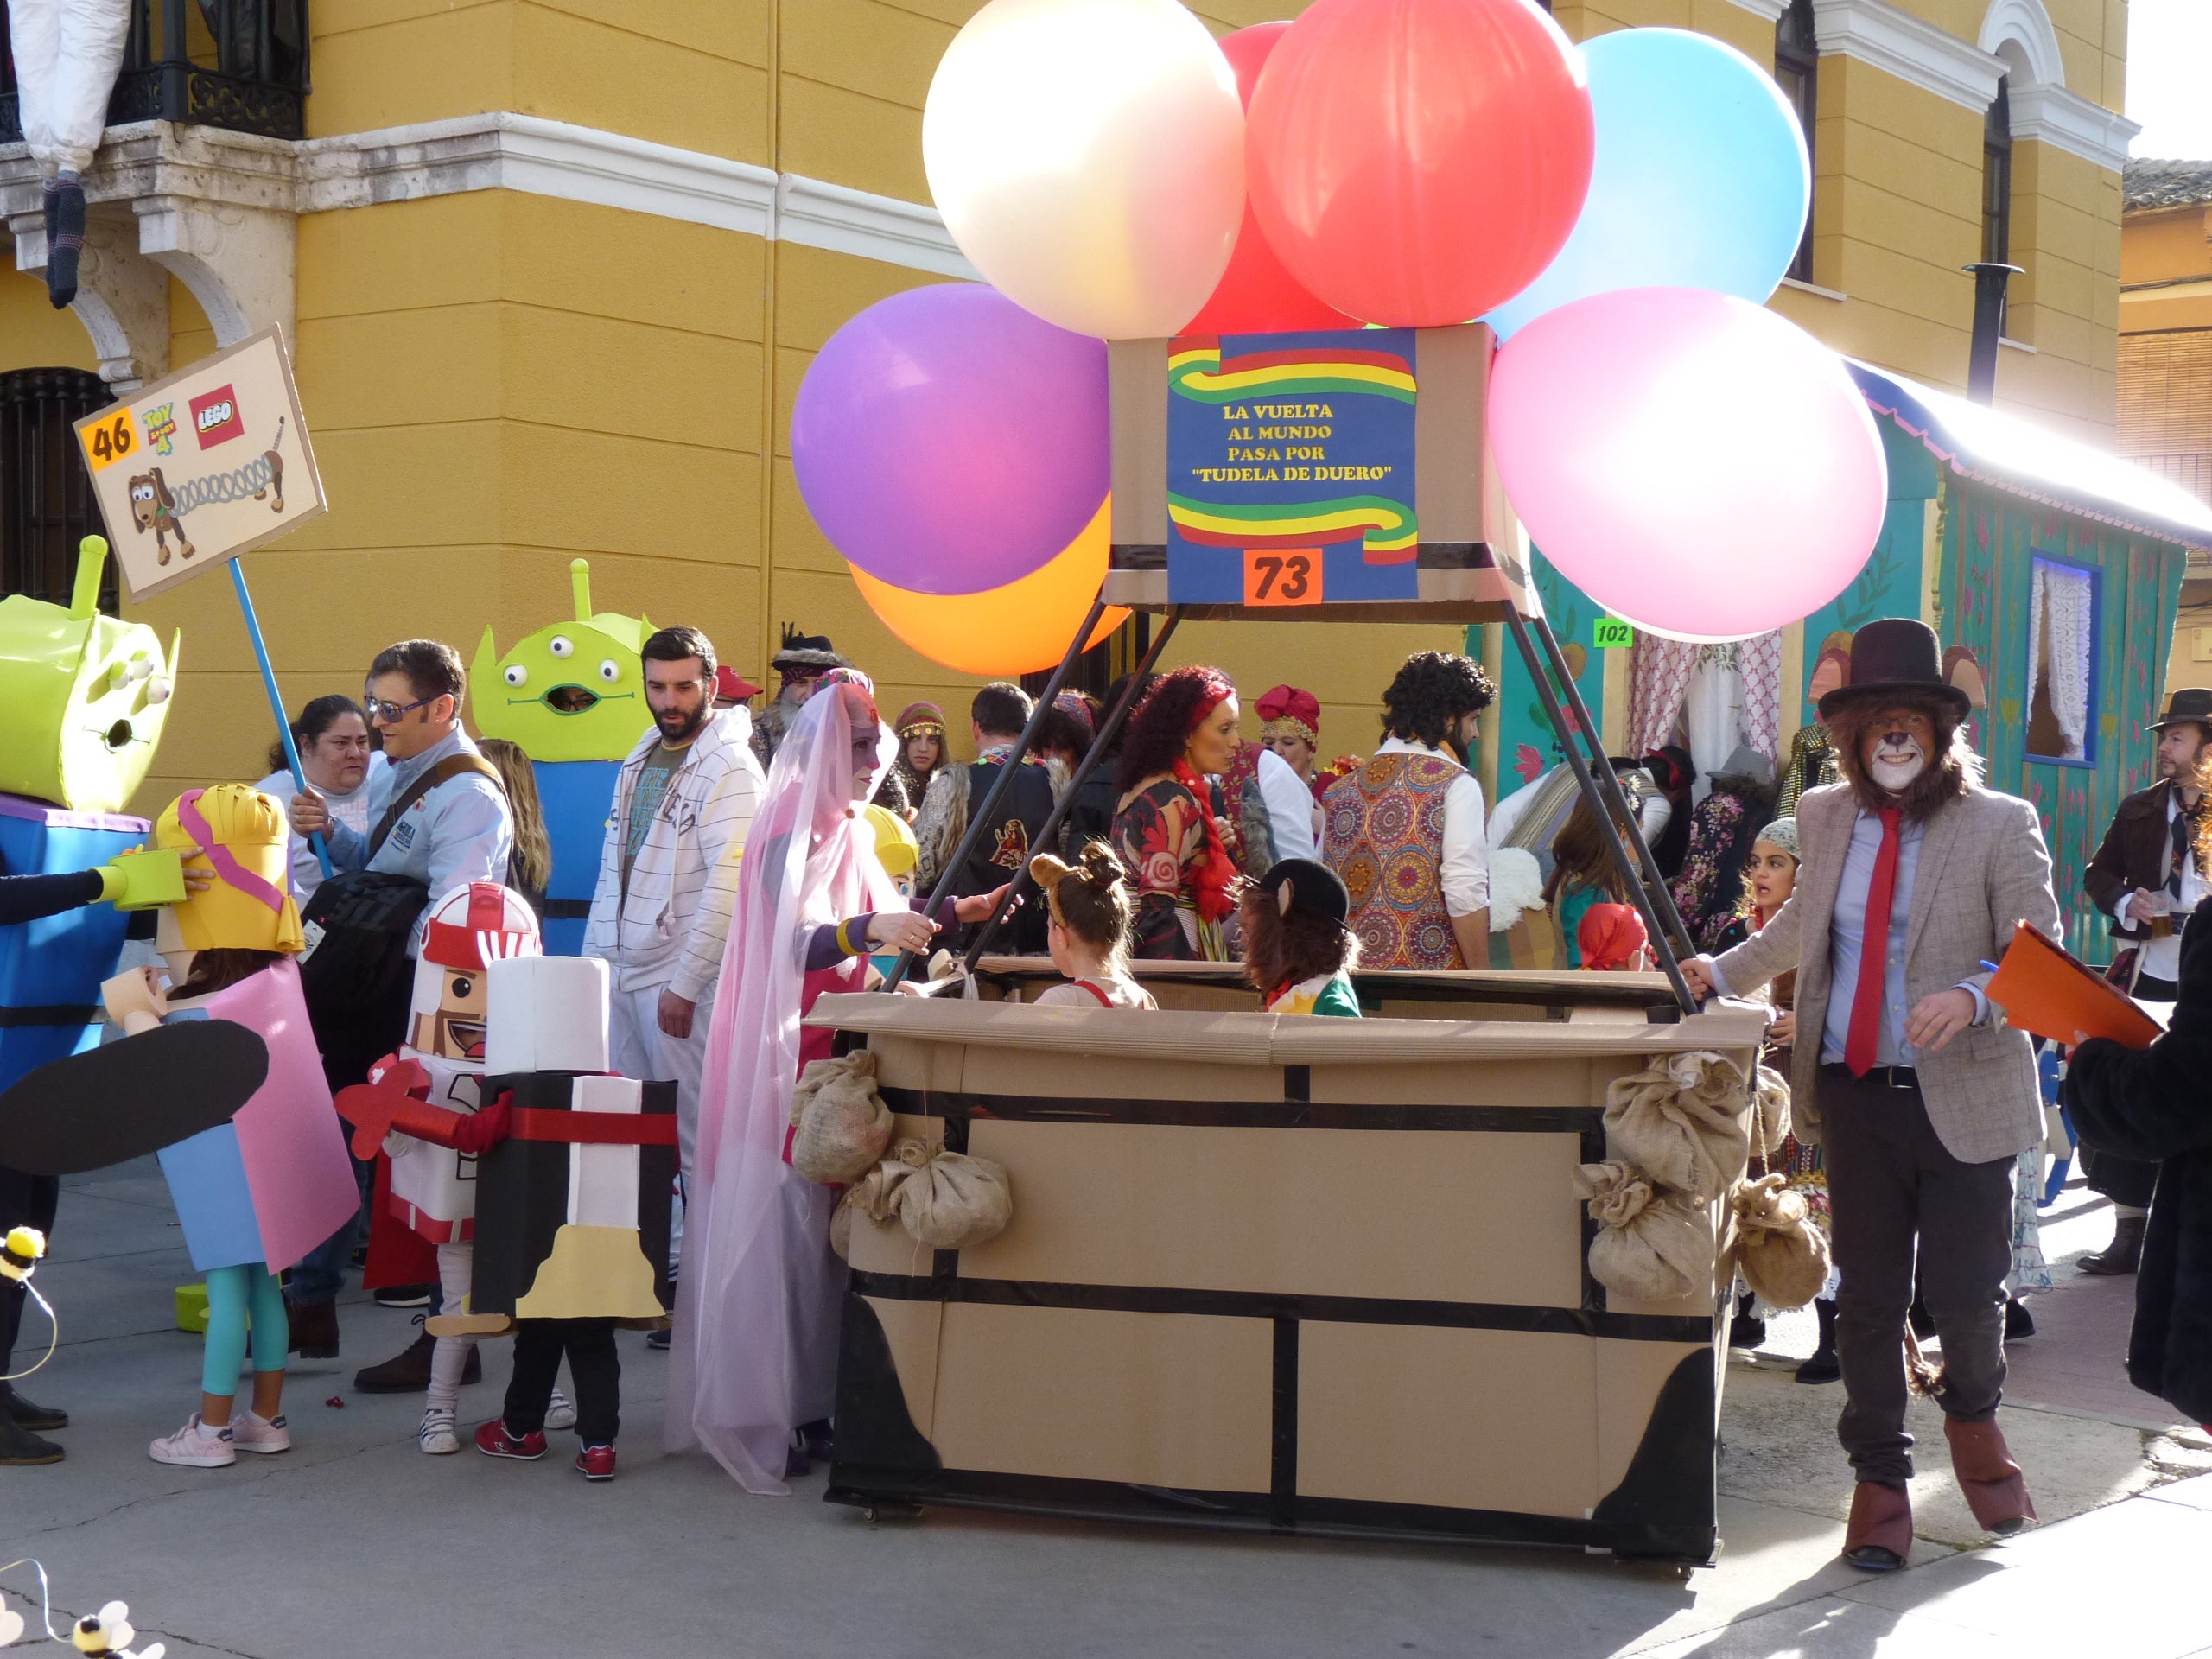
<point x="1566" y="1082"/>
<point x="1046" y="1071"/>
<point x="1629" y="1376"/>
<point x="1424" y="1214"/>
<point x="914" y="1330"/>
<point x="1150" y="1399"/>
<point x="1484" y="1420"/>
<point x="912" y="1063"/>
<point x="86" y="1111"/>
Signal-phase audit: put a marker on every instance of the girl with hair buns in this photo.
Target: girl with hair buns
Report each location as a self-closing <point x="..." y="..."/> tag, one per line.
<point x="1089" y="934"/>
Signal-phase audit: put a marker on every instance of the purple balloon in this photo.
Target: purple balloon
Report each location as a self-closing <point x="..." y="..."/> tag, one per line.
<point x="947" y="442"/>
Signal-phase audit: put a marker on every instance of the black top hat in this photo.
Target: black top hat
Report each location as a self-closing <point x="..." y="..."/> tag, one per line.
<point x="1315" y="889"/>
<point x="2190" y="703"/>
<point x="806" y="650"/>
<point x="1894" y="654"/>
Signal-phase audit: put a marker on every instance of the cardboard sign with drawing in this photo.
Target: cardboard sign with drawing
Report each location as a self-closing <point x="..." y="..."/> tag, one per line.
<point x="203" y="466"/>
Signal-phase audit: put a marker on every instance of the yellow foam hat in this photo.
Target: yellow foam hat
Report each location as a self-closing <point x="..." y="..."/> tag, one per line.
<point x="240" y="834"/>
<point x="895" y="846"/>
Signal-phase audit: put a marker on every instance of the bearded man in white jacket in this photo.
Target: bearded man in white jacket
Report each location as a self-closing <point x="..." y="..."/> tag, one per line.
<point x="683" y="803"/>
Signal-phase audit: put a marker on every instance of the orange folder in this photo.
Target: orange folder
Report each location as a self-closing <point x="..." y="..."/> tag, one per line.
<point x="2046" y="991"/>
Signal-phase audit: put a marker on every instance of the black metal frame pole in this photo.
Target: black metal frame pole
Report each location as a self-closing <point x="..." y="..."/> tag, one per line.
<point x="1000" y="784"/>
<point x="1109" y="729"/>
<point x="1663" y="946"/>
<point x="1662" y="896"/>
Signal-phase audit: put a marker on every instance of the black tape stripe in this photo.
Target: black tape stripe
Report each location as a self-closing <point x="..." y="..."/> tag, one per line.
<point x="1274" y="1305"/>
<point x="1092" y="1500"/>
<point x="61" y="1014"/>
<point x="1282" y="1456"/>
<point x="1243" y="1114"/>
<point x="1593" y="1151"/>
<point x="568" y="910"/>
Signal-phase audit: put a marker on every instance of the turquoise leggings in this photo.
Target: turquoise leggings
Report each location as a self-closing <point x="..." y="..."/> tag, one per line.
<point x="236" y="1297"/>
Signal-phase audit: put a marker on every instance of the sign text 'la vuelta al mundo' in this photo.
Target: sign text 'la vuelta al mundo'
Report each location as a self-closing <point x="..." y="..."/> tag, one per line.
<point x="1291" y="467"/>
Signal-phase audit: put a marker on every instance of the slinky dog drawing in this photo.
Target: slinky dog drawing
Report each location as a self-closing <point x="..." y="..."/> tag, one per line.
<point x="155" y="507"/>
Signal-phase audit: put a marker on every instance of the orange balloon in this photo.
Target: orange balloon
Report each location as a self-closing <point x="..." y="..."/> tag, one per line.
<point x="1020" y="628"/>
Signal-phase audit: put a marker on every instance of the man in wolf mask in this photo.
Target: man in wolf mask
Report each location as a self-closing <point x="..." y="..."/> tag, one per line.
<point x="1913" y="875"/>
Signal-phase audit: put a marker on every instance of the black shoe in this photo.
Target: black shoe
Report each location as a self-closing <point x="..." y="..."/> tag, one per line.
<point x="25" y="1414"/>
<point x="20" y="1448"/>
<point x="1745" y="1331"/>
<point x="2019" y="1324"/>
<point x="818" y="1439"/>
<point x="2122" y="1255"/>
<point x="314" y="1328"/>
<point x="1823" y="1367"/>
<point x="409" y="1370"/>
<point x="404" y="1295"/>
<point x="659" y="1339"/>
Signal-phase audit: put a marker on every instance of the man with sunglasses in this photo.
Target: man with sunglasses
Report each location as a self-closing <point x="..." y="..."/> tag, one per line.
<point x="439" y="818"/>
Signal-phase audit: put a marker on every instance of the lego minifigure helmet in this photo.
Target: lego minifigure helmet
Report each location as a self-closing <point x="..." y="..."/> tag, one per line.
<point x="241" y="834"/>
<point x="470" y="929"/>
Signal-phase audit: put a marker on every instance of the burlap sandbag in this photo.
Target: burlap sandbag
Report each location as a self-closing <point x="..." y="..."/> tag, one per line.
<point x="954" y="1201"/>
<point x="1682" y="1123"/>
<point x="1769" y="1111"/>
<point x="1647" y="1247"/>
<point x="843" y="1125"/>
<point x="1780" y="1250"/>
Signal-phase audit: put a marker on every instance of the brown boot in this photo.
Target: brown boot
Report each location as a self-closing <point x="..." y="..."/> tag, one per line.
<point x="1878" y="1535"/>
<point x="314" y="1328"/>
<point x="409" y="1370"/>
<point x="2122" y="1255"/>
<point x="1995" y="1489"/>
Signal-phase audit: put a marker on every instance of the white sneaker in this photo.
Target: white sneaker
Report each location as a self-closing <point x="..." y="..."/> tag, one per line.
<point x="438" y="1436"/>
<point x="196" y="1447"/>
<point x="559" y="1412"/>
<point x="265" y="1434"/>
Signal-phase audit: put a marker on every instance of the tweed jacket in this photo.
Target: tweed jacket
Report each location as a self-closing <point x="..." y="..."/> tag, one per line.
<point x="1983" y="869"/>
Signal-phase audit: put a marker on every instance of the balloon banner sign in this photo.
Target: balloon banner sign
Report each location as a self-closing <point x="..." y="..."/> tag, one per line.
<point x="1291" y="468"/>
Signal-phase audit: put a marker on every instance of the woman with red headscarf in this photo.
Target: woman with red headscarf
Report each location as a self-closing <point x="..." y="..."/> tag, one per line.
<point x="1165" y="827"/>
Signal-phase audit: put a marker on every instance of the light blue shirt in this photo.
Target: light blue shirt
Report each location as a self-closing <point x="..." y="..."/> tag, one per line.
<point x="460" y="832"/>
<point x="1848" y="936"/>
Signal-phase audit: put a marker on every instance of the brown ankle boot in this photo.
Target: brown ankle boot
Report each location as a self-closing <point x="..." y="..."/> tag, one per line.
<point x="1995" y="1489"/>
<point x="2120" y="1255"/>
<point x="409" y="1370"/>
<point x="1878" y="1535"/>
<point x="315" y="1329"/>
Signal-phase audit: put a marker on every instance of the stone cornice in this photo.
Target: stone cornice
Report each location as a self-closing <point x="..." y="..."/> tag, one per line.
<point x="2069" y="121"/>
<point x="1894" y="40"/>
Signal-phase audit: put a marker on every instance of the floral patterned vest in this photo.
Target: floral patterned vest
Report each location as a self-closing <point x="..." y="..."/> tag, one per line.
<point x="1385" y="837"/>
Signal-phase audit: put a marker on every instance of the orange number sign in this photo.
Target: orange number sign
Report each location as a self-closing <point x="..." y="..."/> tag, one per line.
<point x="1282" y="576"/>
<point x="109" y="442"/>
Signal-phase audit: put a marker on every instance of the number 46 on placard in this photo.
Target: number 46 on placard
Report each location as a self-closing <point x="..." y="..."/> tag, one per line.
<point x="109" y="442"/>
<point x="1281" y="575"/>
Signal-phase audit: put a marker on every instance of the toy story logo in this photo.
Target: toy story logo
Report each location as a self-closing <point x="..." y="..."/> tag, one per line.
<point x="161" y="429"/>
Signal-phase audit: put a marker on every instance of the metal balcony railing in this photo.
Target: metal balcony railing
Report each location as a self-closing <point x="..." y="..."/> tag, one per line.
<point x="238" y="64"/>
<point x="2193" y="472"/>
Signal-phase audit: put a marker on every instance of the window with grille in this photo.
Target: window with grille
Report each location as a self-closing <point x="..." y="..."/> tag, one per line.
<point x="1797" y="72"/>
<point x="46" y="496"/>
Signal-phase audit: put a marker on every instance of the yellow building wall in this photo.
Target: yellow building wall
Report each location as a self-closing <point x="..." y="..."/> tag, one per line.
<point x="2173" y="248"/>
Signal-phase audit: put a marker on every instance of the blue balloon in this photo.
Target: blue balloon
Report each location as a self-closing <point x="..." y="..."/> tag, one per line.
<point x="1700" y="181"/>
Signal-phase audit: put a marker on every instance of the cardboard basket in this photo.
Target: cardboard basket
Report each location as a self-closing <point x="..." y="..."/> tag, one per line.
<point x="1292" y="1275"/>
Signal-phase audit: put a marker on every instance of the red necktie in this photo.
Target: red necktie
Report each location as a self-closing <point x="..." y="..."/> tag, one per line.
<point x="1866" y="1002"/>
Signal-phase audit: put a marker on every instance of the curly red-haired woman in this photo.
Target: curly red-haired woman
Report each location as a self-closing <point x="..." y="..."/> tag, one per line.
<point x="1164" y="825"/>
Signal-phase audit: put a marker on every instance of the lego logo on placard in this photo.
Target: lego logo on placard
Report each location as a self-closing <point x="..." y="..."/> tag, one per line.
<point x="215" y="417"/>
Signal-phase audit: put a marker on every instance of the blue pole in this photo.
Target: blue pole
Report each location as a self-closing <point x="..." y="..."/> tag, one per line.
<point x="276" y="700"/>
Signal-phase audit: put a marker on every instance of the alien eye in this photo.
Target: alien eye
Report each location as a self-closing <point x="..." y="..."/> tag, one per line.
<point x="560" y="647"/>
<point x="462" y="985"/>
<point x="515" y="674"/>
<point x="610" y="670"/>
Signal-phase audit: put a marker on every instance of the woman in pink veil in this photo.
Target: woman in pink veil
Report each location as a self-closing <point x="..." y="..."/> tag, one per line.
<point x="755" y="1350"/>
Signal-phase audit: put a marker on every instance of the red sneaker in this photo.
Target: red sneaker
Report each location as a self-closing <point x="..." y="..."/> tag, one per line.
<point x="594" y="1462"/>
<point x="493" y="1442"/>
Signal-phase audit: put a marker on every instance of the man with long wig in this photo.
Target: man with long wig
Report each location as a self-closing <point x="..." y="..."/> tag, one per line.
<point x="755" y="1351"/>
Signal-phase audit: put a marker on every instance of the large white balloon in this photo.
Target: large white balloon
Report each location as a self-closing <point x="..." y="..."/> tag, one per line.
<point x="1087" y="156"/>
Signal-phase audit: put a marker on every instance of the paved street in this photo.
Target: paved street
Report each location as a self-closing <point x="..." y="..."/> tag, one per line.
<point x="356" y="1547"/>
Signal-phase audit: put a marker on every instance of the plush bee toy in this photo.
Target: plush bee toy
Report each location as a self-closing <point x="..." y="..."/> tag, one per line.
<point x="109" y="1633"/>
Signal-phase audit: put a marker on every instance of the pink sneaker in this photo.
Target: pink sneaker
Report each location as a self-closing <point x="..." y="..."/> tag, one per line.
<point x="264" y="1435"/>
<point x="196" y="1447"/>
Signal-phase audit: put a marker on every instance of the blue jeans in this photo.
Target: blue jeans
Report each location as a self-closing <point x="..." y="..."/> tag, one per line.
<point x="321" y="1274"/>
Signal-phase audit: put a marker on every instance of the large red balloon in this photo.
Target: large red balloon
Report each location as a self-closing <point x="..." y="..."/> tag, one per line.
<point x="1416" y="162"/>
<point x="1255" y="294"/>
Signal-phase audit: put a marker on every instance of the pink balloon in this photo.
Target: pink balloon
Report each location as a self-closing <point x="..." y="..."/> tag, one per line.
<point x="1693" y="462"/>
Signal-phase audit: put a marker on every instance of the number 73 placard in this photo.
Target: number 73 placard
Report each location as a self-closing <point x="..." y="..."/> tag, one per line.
<point x="1282" y="576"/>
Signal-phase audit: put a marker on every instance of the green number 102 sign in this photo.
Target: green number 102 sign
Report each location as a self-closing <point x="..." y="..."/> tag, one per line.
<point x="1611" y="634"/>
